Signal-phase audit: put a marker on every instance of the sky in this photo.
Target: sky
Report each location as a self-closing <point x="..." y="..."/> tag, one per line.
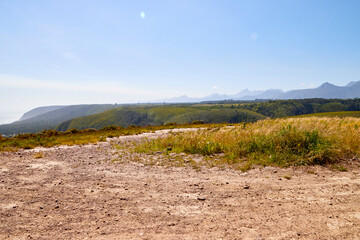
<point x="62" y="52"/>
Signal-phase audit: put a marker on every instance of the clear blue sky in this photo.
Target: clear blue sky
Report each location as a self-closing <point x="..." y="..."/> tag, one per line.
<point x="107" y="51"/>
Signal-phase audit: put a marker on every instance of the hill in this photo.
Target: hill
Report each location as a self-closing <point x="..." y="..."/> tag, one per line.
<point x="158" y="115"/>
<point x="50" y="119"/>
<point x="39" y="111"/>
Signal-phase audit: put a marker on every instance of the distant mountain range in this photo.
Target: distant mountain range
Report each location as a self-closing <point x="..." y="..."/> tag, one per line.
<point x="326" y="90"/>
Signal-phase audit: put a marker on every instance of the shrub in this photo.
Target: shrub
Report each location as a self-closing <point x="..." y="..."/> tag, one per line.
<point x="170" y="124"/>
<point x="198" y="122"/>
<point x="25" y="136"/>
<point x="89" y="130"/>
<point x="72" y="131"/>
<point x="107" y="128"/>
<point x="49" y="133"/>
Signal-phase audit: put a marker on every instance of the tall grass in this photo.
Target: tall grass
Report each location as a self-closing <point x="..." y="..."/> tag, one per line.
<point x="281" y="142"/>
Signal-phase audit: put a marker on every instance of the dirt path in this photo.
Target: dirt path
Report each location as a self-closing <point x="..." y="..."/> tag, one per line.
<point x="80" y="193"/>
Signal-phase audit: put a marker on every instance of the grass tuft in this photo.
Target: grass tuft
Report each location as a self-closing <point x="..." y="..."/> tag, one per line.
<point x="39" y="155"/>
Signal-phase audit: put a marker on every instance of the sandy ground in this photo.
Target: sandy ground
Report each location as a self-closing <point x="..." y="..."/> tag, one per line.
<point x="80" y="193"/>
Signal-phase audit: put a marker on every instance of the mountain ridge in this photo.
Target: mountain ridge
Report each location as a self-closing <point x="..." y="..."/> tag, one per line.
<point x="325" y="90"/>
<point x="39" y="111"/>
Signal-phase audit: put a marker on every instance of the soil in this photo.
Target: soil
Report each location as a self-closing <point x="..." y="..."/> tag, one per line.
<point x="80" y="192"/>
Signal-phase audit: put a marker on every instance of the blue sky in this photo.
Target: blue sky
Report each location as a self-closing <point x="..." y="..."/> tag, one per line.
<point x="113" y="51"/>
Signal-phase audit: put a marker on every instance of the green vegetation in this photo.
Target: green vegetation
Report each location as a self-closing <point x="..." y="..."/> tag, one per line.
<point x="286" y="108"/>
<point x="334" y="114"/>
<point x="216" y="112"/>
<point x="278" y="142"/>
<point x="161" y="115"/>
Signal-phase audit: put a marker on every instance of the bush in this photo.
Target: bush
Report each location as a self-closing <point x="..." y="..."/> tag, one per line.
<point x="198" y="122"/>
<point x="108" y="128"/>
<point x="89" y="130"/>
<point x="25" y="136"/>
<point x="49" y="133"/>
<point x="72" y="131"/>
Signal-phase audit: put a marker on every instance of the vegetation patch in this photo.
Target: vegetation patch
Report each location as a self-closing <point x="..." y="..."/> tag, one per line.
<point x="278" y="142"/>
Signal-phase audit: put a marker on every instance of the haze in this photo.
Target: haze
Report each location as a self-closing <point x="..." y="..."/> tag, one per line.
<point x="74" y="52"/>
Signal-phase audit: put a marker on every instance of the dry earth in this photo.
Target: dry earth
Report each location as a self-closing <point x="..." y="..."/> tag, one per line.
<point x="80" y="193"/>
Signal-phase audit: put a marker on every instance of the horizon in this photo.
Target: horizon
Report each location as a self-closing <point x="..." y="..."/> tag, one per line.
<point x="89" y="52"/>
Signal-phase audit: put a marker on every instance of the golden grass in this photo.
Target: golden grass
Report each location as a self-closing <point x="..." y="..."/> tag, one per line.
<point x="280" y="142"/>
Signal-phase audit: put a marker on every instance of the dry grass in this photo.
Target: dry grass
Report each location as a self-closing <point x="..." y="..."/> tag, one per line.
<point x="280" y="142"/>
<point x="39" y="155"/>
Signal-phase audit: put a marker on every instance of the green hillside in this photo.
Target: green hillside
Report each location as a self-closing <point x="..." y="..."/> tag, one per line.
<point x="158" y="115"/>
<point x="334" y="114"/>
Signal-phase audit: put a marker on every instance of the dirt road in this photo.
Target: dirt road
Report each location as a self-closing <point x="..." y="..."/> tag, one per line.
<point x="80" y="193"/>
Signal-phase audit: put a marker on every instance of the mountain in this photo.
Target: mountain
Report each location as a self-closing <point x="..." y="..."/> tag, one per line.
<point x="268" y="94"/>
<point x="326" y="90"/>
<point x="350" y="84"/>
<point x="181" y="99"/>
<point x="244" y="94"/>
<point x="38" y="111"/>
<point x="50" y="119"/>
